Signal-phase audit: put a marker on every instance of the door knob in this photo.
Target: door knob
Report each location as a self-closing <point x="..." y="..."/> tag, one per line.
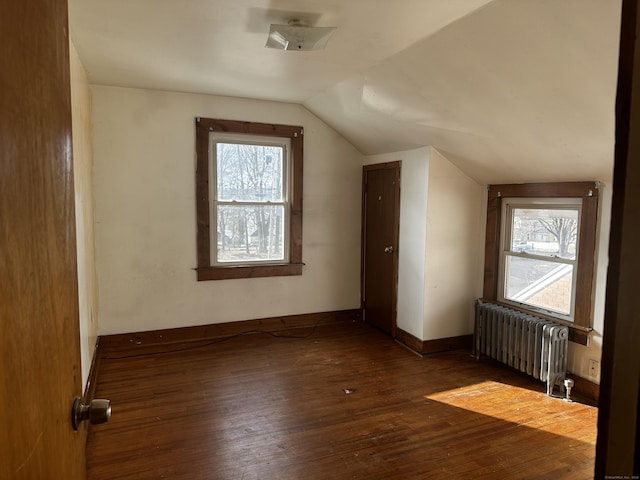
<point x="388" y="249"/>
<point x="98" y="411"/>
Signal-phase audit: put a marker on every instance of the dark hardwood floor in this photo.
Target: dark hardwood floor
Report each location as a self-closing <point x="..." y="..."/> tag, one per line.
<point x="345" y="402"/>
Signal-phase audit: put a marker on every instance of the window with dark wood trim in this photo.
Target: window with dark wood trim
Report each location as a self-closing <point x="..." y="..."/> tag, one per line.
<point x="495" y="246"/>
<point x="292" y="263"/>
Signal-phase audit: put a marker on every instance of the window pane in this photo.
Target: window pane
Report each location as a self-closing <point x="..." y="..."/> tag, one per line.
<point x="250" y="233"/>
<point x="249" y="173"/>
<point x="540" y="283"/>
<point x="544" y="231"/>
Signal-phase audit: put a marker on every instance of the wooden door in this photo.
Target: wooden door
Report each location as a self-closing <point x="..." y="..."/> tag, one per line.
<point x="380" y="227"/>
<point x="39" y="333"/>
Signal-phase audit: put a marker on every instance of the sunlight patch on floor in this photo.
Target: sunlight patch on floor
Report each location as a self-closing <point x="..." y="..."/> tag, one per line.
<point x="515" y="404"/>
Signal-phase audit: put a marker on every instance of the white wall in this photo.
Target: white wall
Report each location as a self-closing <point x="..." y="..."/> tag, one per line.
<point x="145" y="215"/>
<point x="456" y="218"/>
<point x="442" y="216"/>
<point x="83" y="185"/>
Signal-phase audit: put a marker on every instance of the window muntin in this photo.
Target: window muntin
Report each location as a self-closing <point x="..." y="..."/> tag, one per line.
<point x="249" y="192"/>
<point x="538" y="257"/>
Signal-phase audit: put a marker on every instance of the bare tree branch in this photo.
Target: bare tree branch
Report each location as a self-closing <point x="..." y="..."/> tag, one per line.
<point x="564" y="230"/>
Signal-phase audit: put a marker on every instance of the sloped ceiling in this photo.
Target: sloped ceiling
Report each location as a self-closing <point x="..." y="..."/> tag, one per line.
<point x="508" y="90"/>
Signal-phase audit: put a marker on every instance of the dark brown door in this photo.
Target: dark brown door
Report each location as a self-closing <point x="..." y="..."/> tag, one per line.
<point x="380" y="226"/>
<point x="39" y="340"/>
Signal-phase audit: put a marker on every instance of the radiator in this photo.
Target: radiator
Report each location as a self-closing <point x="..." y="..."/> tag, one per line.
<point x="527" y="343"/>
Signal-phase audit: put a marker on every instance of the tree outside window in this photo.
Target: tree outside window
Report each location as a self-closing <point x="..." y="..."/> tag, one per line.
<point x="249" y="202"/>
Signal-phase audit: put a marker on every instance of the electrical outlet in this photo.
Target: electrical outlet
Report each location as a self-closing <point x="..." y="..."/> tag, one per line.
<point x="594" y="368"/>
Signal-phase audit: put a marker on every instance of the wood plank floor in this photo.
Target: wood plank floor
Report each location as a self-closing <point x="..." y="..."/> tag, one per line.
<point x="346" y="402"/>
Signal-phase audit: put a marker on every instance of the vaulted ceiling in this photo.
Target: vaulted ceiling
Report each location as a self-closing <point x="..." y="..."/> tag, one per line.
<point x="508" y="90"/>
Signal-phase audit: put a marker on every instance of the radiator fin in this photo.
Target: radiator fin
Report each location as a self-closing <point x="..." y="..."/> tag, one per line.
<point x="527" y="343"/>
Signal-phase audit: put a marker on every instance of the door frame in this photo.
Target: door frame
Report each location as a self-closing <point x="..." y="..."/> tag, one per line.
<point x="397" y="166"/>
<point x="618" y="441"/>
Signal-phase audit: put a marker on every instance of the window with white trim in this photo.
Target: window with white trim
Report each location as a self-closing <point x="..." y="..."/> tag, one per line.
<point x="249" y="188"/>
<point x="538" y="255"/>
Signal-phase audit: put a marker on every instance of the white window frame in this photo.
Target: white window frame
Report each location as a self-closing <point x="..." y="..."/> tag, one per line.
<point x="248" y="139"/>
<point x="508" y="207"/>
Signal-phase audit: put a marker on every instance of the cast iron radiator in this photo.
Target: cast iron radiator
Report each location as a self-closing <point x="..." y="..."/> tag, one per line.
<point x="522" y="341"/>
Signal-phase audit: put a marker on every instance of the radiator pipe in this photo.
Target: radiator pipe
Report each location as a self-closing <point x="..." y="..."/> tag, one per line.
<point x="568" y="385"/>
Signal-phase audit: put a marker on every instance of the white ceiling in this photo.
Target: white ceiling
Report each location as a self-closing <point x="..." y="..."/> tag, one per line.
<point x="508" y="90"/>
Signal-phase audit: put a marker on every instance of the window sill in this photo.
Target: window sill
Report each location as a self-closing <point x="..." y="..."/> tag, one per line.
<point x="579" y="334"/>
<point x="249" y="271"/>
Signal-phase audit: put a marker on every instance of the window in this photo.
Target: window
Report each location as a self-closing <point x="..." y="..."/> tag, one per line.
<point x="249" y="192"/>
<point x="538" y="261"/>
<point x="249" y="199"/>
<point x="539" y="252"/>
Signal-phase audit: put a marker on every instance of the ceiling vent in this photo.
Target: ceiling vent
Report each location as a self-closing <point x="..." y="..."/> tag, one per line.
<point x="298" y="36"/>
